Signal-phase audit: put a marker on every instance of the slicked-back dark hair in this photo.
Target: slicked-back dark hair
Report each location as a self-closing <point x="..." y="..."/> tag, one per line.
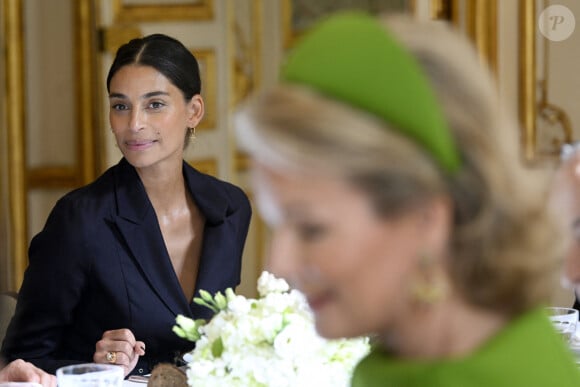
<point x="164" y="53"/>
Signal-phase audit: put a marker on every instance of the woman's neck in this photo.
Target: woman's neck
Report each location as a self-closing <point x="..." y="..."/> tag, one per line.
<point x="165" y="188"/>
<point x="449" y="329"/>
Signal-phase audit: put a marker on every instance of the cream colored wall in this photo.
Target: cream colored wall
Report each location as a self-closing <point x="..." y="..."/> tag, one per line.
<point x="50" y="97"/>
<point x="508" y="54"/>
<point x="272" y="52"/>
<point x="50" y="76"/>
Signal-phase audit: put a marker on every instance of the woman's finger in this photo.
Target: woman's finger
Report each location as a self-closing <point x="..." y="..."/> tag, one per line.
<point x="120" y="347"/>
<point x="139" y="348"/>
<point x="120" y="335"/>
<point x="48" y="380"/>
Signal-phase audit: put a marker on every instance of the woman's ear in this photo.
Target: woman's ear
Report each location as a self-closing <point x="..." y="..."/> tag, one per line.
<point x="195" y="111"/>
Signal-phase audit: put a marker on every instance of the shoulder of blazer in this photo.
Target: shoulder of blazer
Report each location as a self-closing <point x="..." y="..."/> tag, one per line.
<point x="216" y="198"/>
<point x="95" y="197"/>
<point x="118" y="187"/>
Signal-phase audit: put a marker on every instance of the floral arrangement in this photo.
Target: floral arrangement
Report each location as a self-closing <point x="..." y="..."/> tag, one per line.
<point x="269" y="341"/>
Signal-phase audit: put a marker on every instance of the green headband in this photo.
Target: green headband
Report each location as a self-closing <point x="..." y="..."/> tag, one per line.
<point x="353" y="58"/>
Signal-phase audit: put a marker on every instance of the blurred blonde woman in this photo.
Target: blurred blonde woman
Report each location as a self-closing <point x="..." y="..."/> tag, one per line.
<point x="399" y="206"/>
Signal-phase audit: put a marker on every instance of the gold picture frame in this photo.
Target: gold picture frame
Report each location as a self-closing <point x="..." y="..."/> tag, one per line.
<point x="125" y="11"/>
<point x="480" y="19"/>
<point x="207" y="70"/>
<point x="532" y="87"/>
<point x="245" y="32"/>
<point x="527" y="79"/>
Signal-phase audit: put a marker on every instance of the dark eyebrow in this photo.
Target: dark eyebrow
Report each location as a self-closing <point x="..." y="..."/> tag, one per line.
<point x="154" y="94"/>
<point x="144" y="96"/>
<point x="117" y="95"/>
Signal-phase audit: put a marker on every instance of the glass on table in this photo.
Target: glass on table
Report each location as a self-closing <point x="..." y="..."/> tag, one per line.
<point x="564" y="320"/>
<point x="90" y="375"/>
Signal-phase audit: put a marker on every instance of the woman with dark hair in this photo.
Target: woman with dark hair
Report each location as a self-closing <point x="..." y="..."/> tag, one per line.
<point x="119" y="258"/>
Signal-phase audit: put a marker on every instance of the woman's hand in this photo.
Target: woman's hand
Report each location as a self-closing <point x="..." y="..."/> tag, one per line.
<point x="119" y="347"/>
<point x="21" y="371"/>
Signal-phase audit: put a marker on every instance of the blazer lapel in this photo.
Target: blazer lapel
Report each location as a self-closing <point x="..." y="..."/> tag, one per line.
<point x="210" y="200"/>
<point x="137" y="223"/>
<point x="216" y="268"/>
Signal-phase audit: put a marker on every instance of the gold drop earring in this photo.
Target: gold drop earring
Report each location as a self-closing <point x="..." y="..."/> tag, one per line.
<point x="429" y="287"/>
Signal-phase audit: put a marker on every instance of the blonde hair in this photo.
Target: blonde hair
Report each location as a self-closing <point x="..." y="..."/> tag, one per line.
<point x="504" y="248"/>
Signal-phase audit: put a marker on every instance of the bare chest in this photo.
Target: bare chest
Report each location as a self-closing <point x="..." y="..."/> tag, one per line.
<point x="183" y="237"/>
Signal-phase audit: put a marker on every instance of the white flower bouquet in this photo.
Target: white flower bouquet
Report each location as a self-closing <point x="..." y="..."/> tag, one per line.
<point x="269" y="341"/>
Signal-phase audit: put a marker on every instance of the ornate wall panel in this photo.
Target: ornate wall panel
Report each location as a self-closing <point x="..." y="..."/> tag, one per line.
<point x="159" y="10"/>
<point x="207" y="68"/>
<point x="51" y="118"/>
<point x="548" y="82"/>
<point x="245" y="35"/>
<point x="299" y="15"/>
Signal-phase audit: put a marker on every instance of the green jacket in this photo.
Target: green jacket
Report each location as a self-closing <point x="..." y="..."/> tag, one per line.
<point x="526" y="353"/>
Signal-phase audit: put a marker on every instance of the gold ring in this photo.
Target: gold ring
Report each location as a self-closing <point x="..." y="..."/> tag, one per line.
<point x="111" y="357"/>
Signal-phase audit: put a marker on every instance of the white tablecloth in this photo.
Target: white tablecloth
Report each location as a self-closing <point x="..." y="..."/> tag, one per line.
<point x="127" y="383"/>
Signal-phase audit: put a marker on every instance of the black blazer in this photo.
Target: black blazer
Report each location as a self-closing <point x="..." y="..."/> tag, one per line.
<point x="100" y="263"/>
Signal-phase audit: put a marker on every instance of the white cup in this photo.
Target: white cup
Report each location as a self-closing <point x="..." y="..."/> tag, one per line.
<point x="90" y="375"/>
<point x="564" y="320"/>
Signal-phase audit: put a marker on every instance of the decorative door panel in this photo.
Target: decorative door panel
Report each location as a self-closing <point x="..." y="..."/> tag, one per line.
<point x="49" y="117"/>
